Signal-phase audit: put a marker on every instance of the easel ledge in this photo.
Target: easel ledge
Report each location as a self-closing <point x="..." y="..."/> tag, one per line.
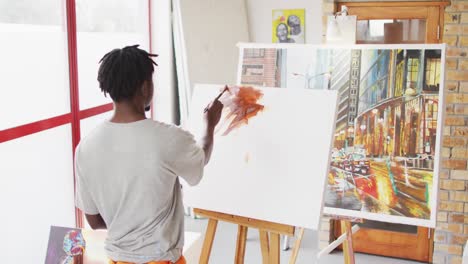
<point x="281" y="229"/>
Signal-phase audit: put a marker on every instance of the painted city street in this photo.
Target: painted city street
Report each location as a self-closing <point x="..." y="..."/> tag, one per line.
<point x="388" y="187"/>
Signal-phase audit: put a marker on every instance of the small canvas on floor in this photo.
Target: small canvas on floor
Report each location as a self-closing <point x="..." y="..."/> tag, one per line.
<point x="270" y="156"/>
<point x="76" y="246"/>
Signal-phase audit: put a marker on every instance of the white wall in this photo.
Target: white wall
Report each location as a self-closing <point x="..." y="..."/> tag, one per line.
<point x="211" y="29"/>
<point x="206" y="33"/>
<point x="260" y="18"/>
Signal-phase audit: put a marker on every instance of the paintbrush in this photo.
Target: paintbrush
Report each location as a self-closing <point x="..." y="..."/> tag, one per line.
<point x="226" y="88"/>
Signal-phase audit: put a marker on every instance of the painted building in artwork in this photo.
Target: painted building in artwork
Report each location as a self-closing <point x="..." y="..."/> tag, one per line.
<point x="345" y="78"/>
<point x="339" y="80"/>
<point x="398" y="103"/>
<point x="260" y="67"/>
<point x="318" y="75"/>
<point x="354" y="83"/>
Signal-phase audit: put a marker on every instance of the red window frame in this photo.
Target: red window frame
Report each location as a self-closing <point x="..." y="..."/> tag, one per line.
<point x="75" y="115"/>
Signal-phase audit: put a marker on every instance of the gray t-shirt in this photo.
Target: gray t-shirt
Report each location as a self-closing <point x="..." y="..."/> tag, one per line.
<point x="127" y="173"/>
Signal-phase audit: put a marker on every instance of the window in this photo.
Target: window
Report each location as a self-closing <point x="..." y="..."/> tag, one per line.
<point x="399" y="79"/>
<point x="103" y="25"/>
<point x="110" y="16"/>
<point x="432" y="73"/>
<point x="254" y="53"/>
<point x="37" y="168"/>
<point x="252" y="70"/>
<point x="31" y="12"/>
<point x="33" y="35"/>
<point x="412" y="75"/>
<point x="391" y="31"/>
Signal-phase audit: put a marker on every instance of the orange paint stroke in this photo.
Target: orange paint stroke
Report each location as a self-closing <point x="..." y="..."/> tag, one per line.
<point x="241" y="104"/>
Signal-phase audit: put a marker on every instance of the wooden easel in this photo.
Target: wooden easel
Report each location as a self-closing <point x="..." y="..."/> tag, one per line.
<point x="346" y="239"/>
<point x="269" y="236"/>
<point x="348" y="251"/>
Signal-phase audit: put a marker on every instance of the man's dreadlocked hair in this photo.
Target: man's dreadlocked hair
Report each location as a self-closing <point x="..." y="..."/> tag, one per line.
<point x="123" y="71"/>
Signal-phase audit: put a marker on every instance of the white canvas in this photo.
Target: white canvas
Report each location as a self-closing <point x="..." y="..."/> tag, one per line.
<point x="386" y="150"/>
<point x="274" y="168"/>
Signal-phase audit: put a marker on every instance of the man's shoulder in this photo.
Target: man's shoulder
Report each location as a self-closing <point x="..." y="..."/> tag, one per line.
<point x="172" y="130"/>
<point x="89" y="138"/>
<point x="92" y="133"/>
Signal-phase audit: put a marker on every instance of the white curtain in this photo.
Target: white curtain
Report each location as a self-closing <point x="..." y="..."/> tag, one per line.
<point x="165" y="107"/>
<point x="183" y="78"/>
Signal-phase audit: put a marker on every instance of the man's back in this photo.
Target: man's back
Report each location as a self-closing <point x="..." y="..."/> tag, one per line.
<point x="127" y="173"/>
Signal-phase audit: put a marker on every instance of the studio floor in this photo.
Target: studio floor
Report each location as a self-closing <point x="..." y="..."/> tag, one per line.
<point x="225" y="244"/>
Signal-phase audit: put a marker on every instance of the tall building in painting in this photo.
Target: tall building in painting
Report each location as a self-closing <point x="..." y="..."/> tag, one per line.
<point x="318" y="75"/>
<point x="398" y="102"/>
<point x="345" y="78"/>
<point x="262" y="67"/>
<point x="339" y="80"/>
<point x="354" y="83"/>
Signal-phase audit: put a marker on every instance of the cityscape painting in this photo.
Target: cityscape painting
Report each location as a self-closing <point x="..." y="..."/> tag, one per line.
<point x="386" y="150"/>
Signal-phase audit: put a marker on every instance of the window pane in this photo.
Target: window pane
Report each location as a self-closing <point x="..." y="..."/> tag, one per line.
<point x="388" y="31"/>
<point x="31" y="12"/>
<point x="37" y="192"/>
<point x="104" y="25"/>
<point x="33" y="64"/>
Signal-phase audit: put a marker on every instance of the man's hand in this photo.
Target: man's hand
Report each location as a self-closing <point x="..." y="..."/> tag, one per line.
<point x="213" y="114"/>
<point x="212" y="117"/>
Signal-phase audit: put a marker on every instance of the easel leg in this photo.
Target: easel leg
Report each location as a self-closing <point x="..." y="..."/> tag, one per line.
<point x="274" y="257"/>
<point x="208" y="243"/>
<point x="296" y="247"/>
<point x="348" y="251"/>
<point x="240" y="246"/>
<point x="264" y="245"/>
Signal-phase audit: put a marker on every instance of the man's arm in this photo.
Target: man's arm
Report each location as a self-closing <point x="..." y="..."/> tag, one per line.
<point x="207" y="143"/>
<point x="212" y="117"/>
<point x="96" y="221"/>
<point x="187" y="158"/>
